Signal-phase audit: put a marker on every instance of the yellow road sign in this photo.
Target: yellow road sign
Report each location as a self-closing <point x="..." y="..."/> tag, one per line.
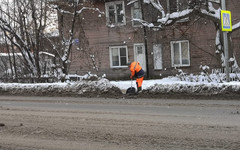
<point x="226" y="20"/>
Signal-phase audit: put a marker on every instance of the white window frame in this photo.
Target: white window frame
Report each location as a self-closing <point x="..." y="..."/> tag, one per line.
<point x="119" y="58"/>
<point x="107" y="4"/>
<point x="132" y="12"/>
<point x="180" y="54"/>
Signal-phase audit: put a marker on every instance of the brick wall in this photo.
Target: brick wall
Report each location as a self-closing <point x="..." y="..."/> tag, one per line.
<point x="98" y="37"/>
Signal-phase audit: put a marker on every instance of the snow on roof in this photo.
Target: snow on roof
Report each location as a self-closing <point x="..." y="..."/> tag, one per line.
<point x="20" y="54"/>
<point x="11" y="54"/>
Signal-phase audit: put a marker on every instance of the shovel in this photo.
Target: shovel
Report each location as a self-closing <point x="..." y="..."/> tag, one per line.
<point x="131" y="90"/>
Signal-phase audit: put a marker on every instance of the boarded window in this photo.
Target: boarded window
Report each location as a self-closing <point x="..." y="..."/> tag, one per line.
<point x="157" y="56"/>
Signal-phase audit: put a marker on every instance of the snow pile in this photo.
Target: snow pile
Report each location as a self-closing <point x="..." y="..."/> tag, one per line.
<point x="194" y="89"/>
<point x="85" y="88"/>
<point x="195" y="85"/>
<point x="90" y="85"/>
<point x="93" y="88"/>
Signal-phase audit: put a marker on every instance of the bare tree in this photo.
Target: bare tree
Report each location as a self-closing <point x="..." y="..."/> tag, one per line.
<point x="23" y="22"/>
<point x="68" y="14"/>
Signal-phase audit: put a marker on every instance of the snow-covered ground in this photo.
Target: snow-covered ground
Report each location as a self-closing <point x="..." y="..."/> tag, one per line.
<point x="170" y="82"/>
<point x="102" y="87"/>
<point x="123" y="85"/>
<point x="174" y="86"/>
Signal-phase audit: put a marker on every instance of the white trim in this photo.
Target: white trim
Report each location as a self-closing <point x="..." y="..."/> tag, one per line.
<point x="110" y="55"/>
<point x="180" y="55"/>
<point x="134" y="50"/>
<point x="144" y="66"/>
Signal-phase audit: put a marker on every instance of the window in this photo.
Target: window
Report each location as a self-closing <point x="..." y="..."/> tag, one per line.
<point x="136" y="13"/>
<point x="118" y="56"/>
<point x="180" y="53"/>
<point x="139" y="49"/>
<point x="115" y="13"/>
<point x="176" y="6"/>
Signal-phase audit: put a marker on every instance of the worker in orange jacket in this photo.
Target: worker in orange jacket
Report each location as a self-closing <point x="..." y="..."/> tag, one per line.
<point x="136" y="71"/>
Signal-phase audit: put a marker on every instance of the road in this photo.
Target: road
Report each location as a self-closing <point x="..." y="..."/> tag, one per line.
<point x="70" y="123"/>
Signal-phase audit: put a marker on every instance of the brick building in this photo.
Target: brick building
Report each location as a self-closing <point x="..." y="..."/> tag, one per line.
<point x="109" y="41"/>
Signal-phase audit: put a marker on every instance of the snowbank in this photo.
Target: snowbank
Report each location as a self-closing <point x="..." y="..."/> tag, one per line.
<point x="86" y="88"/>
<point x="194" y="90"/>
<point x="100" y="87"/>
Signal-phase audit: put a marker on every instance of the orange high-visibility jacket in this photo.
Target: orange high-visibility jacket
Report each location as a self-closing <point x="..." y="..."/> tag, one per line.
<point x="136" y="70"/>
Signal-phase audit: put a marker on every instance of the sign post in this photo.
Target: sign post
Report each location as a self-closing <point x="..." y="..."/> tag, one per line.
<point x="226" y="26"/>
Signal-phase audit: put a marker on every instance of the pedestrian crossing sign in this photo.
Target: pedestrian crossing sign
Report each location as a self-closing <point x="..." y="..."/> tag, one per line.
<point x="226" y="20"/>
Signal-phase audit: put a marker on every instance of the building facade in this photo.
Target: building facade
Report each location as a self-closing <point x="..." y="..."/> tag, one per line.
<point x="104" y="43"/>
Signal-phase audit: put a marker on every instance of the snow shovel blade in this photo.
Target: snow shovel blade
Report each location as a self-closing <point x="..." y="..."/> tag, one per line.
<point x="131" y="90"/>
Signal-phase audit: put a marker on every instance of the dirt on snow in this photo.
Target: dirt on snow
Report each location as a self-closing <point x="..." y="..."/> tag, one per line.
<point x="103" y="88"/>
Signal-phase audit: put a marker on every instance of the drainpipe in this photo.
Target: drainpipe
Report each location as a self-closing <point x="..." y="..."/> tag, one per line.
<point x="145" y="42"/>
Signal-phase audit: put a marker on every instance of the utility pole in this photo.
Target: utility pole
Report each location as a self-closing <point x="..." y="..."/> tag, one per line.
<point x="225" y="43"/>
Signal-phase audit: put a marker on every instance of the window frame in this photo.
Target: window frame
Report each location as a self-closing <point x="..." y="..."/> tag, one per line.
<point x="178" y="9"/>
<point x="107" y="4"/>
<point x="180" y="54"/>
<point x="132" y="12"/>
<point x="119" y="57"/>
<point x="135" y="45"/>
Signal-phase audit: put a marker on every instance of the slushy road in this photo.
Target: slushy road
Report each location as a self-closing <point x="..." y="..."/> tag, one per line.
<point x="97" y="123"/>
